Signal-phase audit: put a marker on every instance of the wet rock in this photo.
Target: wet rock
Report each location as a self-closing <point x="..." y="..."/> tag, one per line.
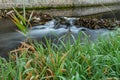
<point x="61" y="22"/>
<point x="91" y="23"/>
<point x="40" y="18"/>
<point x="94" y="23"/>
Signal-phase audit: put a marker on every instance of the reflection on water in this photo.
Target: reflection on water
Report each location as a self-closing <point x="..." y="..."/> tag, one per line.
<point x="6" y="26"/>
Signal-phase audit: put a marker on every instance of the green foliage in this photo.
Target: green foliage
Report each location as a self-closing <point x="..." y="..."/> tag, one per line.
<point x="92" y="61"/>
<point x="20" y="20"/>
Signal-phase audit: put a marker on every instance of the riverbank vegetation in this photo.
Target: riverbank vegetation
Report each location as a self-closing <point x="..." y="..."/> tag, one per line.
<point x="98" y="60"/>
<point x="94" y="61"/>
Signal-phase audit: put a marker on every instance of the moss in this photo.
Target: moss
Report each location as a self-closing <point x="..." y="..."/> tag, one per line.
<point x="48" y="7"/>
<point x="61" y="6"/>
<point x="68" y="6"/>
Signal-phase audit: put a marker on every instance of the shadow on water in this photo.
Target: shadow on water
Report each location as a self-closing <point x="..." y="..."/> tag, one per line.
<point x="6" y="26"/>
<point x="10" y="39"/>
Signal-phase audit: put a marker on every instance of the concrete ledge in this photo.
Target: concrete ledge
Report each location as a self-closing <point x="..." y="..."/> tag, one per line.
<point x="6" y="4"/>
<point x="83" y="11"/>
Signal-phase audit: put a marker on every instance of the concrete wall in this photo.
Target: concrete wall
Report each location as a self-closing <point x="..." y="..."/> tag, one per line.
<point x="30" y="3"/>
<point x="92" y="2"/>
<point x="81" y="11"/>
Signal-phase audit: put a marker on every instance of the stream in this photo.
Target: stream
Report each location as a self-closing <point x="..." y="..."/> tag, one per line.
<point x="10" y="39"/>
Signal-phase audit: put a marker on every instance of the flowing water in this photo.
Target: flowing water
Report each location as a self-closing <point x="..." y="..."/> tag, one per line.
<point x="10" y="39"/>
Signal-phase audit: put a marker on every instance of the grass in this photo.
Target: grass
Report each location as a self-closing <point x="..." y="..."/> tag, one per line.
<point x="95" y="61"/>
<point x="89" y="61"/>
<point x="22" y="23"/>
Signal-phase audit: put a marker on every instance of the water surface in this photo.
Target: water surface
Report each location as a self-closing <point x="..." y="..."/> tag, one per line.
<point x="10" y="39"/>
